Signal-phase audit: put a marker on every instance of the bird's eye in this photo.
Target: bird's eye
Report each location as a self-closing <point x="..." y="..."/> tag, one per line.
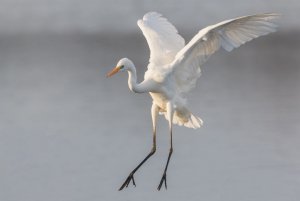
<point x="121" y="67"/>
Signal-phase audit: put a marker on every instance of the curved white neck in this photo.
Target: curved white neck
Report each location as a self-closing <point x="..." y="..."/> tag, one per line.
<point x="132" y="82"/>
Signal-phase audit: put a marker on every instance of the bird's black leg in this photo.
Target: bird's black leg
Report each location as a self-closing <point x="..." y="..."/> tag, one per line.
<point x="130" y="176"/>
<point x="170" y="113"/>
<point x="154" y="113"/>
<point x="164" y="176"/>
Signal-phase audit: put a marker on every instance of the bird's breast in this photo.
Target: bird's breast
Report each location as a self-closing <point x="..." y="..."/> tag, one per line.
<point x="160" y="100"/>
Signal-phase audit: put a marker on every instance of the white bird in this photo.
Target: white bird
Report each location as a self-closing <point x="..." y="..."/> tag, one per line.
<point x="174" y="66"/>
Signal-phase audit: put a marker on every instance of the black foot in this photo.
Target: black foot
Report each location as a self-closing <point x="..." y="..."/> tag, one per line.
<point x="127" y="181"/>
<point x="163" y="180"/>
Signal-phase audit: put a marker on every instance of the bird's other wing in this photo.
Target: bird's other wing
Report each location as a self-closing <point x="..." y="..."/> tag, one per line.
<point x="228" y="34"/>
<point x="162" y="37"/>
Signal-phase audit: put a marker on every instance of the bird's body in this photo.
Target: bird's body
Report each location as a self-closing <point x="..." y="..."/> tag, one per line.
<point x="174" y="66"/>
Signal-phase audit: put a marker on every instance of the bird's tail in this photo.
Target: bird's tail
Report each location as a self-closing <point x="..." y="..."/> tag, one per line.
<point x="194" y="122"/>
<point x="191" y="122"/>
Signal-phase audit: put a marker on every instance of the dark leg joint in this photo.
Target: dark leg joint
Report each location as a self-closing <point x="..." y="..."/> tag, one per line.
<point x="153" y="150"/>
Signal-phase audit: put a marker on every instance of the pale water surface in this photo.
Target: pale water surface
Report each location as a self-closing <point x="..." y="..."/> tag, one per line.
<point x="67" y="133"/>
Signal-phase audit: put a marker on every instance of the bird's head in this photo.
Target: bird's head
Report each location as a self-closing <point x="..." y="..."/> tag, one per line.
<point x="123" y="65"/>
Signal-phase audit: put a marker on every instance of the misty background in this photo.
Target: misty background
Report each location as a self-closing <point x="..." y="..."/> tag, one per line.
<point x="68" y="133"/>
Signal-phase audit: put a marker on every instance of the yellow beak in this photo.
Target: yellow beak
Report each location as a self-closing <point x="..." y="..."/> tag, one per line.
<point x="113" y="71"/>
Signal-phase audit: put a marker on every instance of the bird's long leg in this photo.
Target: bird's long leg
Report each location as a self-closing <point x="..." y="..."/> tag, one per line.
<point x="170" y="112"/>
<point x="154" y="113"/>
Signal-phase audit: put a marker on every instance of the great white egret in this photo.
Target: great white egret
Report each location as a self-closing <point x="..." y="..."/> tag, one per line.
<point x="174" y="67"/>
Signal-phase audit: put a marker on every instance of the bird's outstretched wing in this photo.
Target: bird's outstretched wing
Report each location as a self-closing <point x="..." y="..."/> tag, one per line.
<point x="162" y="37"/>
<point x="228" y="34"/>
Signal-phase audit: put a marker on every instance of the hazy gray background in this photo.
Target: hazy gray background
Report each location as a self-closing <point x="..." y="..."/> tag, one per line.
<point x="106" y="16"/>
<point x="67" y="133"/>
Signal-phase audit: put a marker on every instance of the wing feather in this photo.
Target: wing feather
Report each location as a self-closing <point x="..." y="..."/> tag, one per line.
<point x="228" y="34"/>
<point x="162" y="37"/>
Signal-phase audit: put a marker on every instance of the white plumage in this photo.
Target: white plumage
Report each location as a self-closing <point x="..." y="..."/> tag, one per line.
<point x="177" y="66"/>
<point x="174" y="67"/>
<point x="162" y="38"/>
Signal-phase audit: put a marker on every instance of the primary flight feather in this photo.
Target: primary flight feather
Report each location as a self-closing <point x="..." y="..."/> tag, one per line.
<point x="174" y="66"/>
